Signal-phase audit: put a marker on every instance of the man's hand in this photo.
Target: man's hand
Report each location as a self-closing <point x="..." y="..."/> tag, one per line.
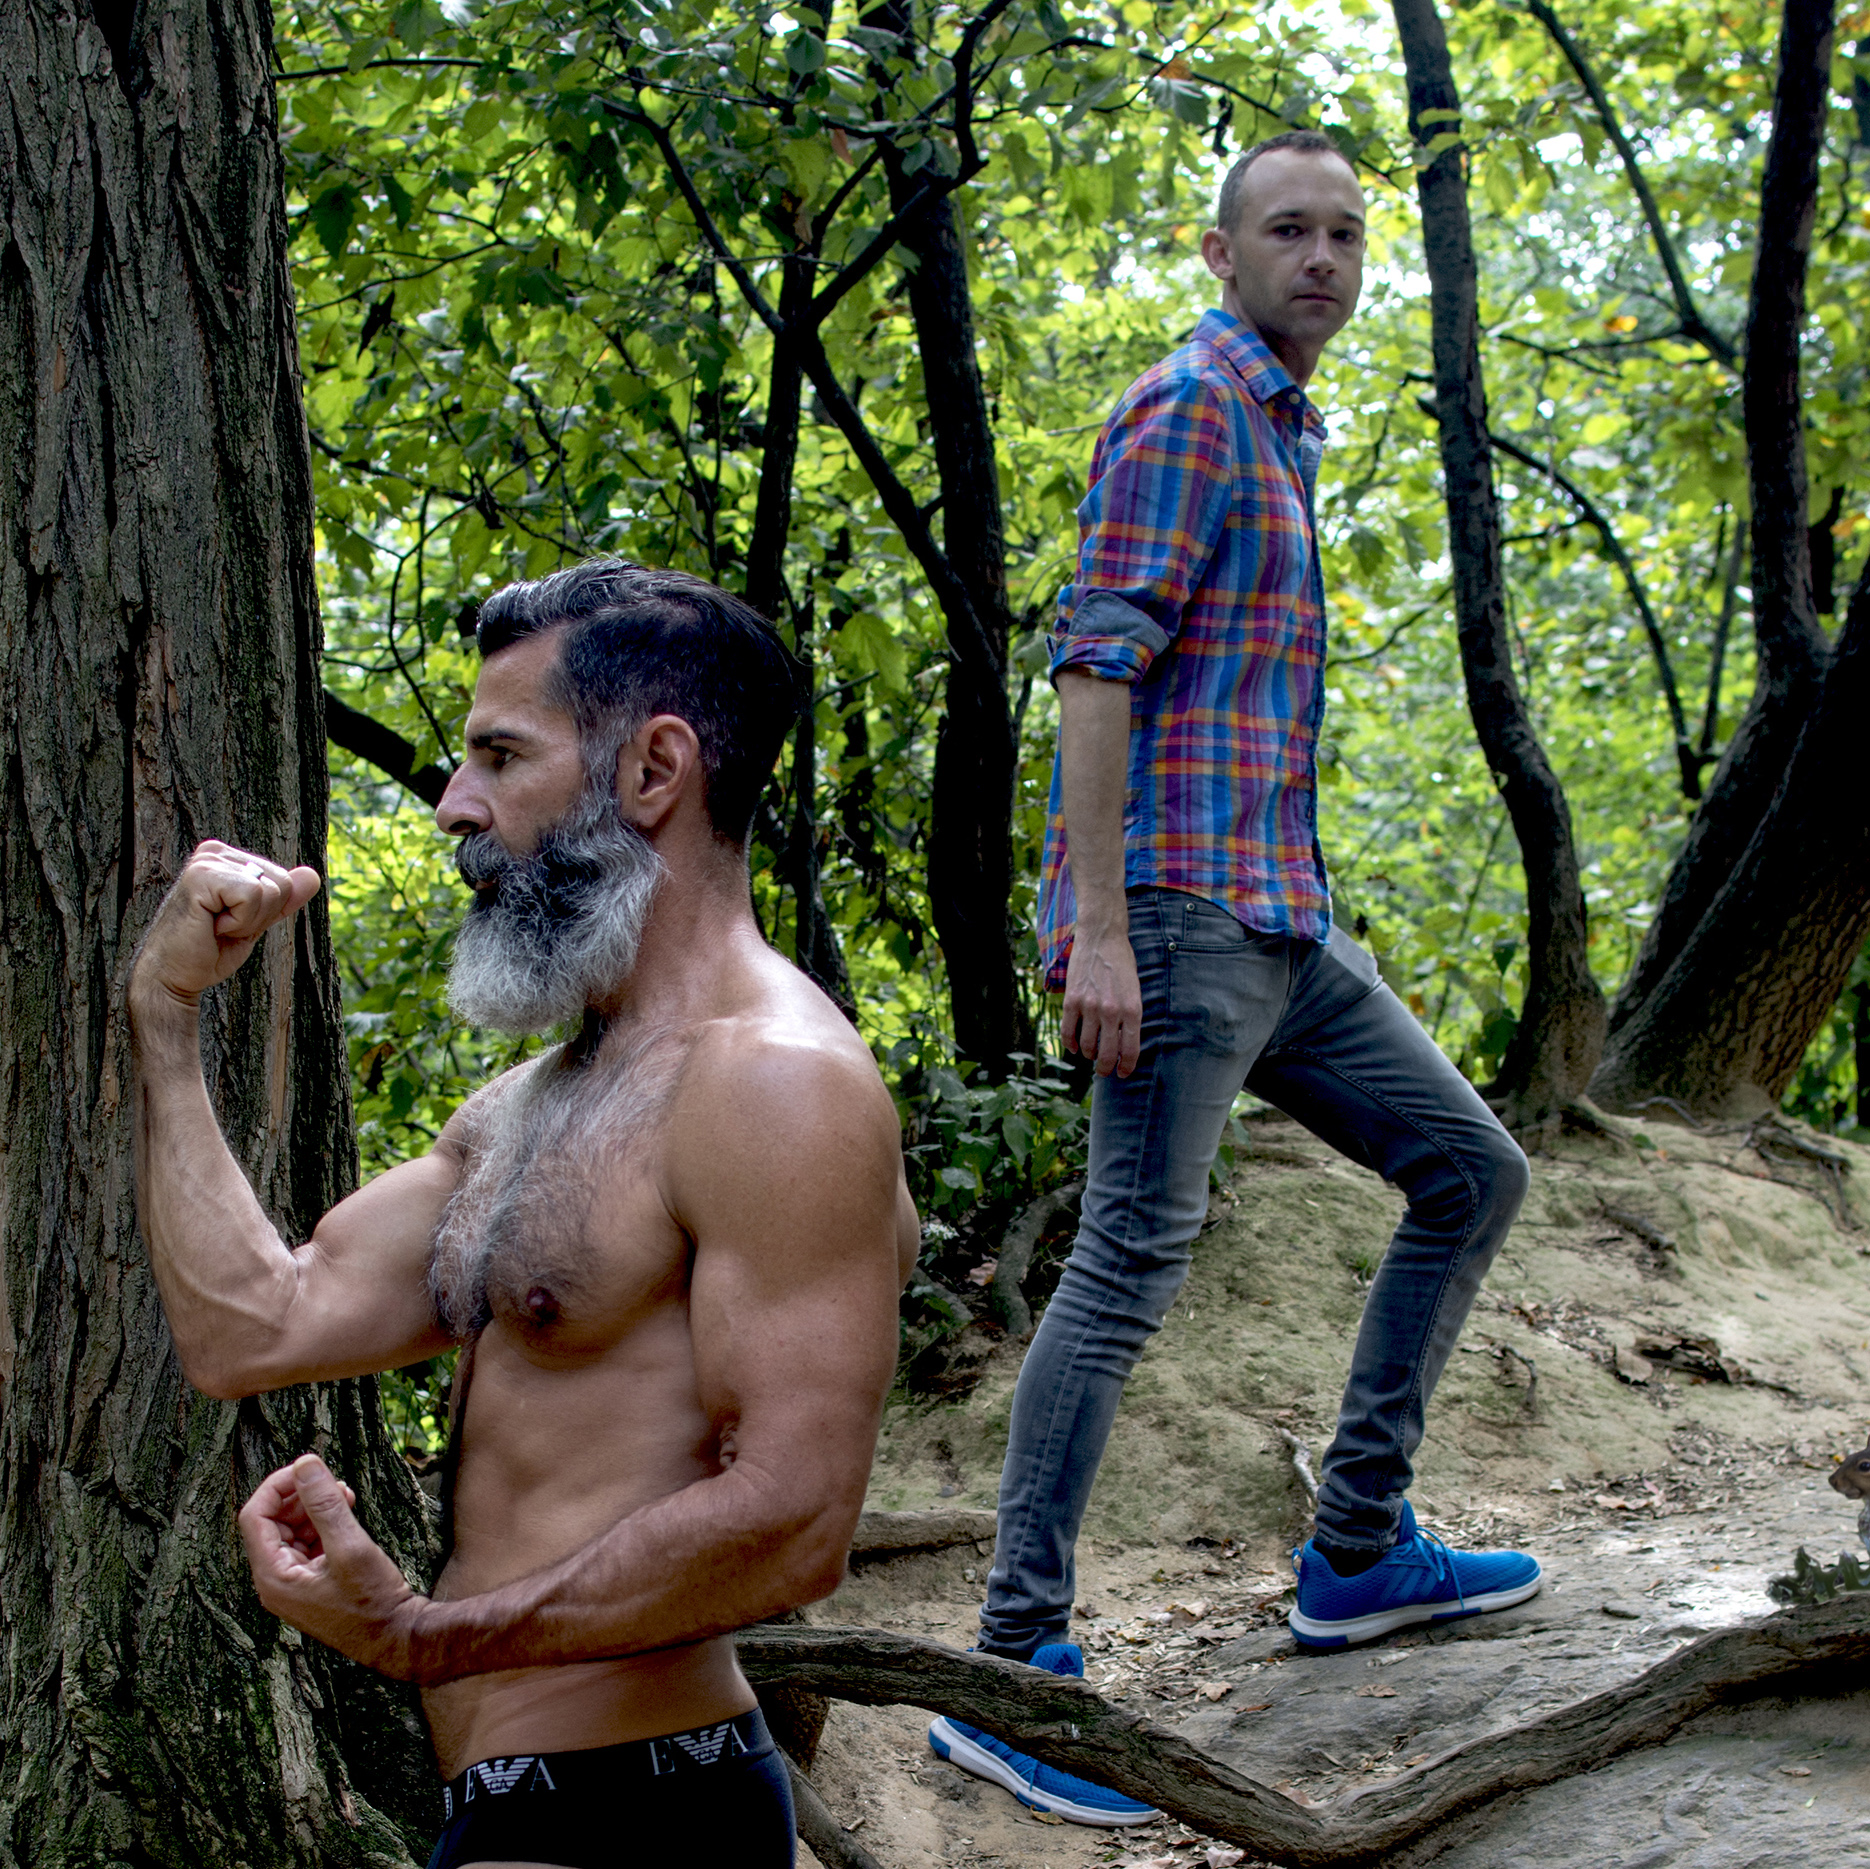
<point x="1102" y="1017"/>
<point x="222" y="903"/>
<point x="316" y="1568"/>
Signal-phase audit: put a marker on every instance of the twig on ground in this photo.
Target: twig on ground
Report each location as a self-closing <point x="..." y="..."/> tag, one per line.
<point x="1301" y="1463"/>
<point x="1645" y="1230"/>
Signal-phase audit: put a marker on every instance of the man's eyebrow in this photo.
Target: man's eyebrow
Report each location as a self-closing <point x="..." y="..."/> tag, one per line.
<point x="488" y="735"/>
<point x="1298" y="214"/>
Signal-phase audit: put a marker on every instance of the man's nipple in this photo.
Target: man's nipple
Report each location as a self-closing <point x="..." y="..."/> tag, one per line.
<point x="541" y="1308"/>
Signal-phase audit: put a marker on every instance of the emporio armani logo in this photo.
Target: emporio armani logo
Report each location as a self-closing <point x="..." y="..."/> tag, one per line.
<point x="706" y="1745"/>
<point x="496" y="1777"/>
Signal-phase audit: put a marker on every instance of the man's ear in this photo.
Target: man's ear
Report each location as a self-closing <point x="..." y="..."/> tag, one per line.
<point x="657" y="767"/>
<point x="1217" y="253"/>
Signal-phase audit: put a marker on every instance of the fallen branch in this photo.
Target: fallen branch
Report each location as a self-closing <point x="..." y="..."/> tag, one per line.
<point x="1016" y="1250"/>
<point x="898" y="1534"/>
<point x="1066" y="1723"/>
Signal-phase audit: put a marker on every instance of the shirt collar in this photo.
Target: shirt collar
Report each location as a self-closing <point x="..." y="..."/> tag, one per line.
<point x="1266" y="378"/>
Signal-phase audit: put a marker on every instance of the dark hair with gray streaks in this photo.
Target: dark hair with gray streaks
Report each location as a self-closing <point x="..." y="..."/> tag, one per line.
<point x="637" y="642"/>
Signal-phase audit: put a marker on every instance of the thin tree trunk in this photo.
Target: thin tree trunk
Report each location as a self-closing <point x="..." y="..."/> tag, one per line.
<point x="1561" y="1024"/>
<point x="1714" y="933"/>
<point x="159" y="648"/>
<point x="1793" y="652"/>
<point x="976" y="753"/>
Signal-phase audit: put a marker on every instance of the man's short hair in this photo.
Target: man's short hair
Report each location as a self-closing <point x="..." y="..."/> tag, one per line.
<point x="1304" y="142"/>
<point x="637" y="642"/>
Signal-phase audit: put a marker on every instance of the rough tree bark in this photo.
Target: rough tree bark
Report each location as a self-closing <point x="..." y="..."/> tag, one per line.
<point x="1731" y="983"/>
<point x="1561" y="1024"/>
<point x="1793" y="652"/>
<point x="159" y="651"/>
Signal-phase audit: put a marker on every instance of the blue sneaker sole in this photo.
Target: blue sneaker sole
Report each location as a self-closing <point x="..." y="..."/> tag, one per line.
<point x="1316" y="1633"/>
<point x="959" y="1750"/>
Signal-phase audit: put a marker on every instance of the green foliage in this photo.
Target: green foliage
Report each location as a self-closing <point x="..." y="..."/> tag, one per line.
<point x="520" y="347"/>
<point x="1815" y="1582"/>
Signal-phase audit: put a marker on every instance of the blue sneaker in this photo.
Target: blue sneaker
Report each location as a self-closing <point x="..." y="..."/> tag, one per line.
<point x="1038" y="1787"/>
<point x="1420" y="1580"/>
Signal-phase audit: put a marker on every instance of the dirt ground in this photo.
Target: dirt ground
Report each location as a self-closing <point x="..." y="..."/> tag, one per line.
<point x="1668" y="1356"/>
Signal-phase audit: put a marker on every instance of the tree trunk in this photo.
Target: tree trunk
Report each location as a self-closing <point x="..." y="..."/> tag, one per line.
<point x="1715" y="933"/>
<point x="159" y="647"/>
<point x="1792" y="649"/>
<point x="1725" y="1029"/>
<point x="1561" y="1024"/>
<point x="976" y="752"/>
<point x="815" y="944"/>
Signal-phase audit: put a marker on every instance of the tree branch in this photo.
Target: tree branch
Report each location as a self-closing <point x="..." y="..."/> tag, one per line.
<point x="1693" y="324"/>
<point x="1685" y="755"/>
<point x="382" y="747"/>
<point x="1067" y="1724"/>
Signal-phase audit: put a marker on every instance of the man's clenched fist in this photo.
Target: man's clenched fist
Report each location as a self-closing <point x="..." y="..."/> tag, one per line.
<point x="221" y="904"/>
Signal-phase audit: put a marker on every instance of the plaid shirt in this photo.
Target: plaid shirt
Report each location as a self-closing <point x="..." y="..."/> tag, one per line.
<point x="1197" y="535"/>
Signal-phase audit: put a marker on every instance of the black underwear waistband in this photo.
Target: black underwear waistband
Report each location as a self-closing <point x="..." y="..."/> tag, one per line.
<point x="609" y="1768"/>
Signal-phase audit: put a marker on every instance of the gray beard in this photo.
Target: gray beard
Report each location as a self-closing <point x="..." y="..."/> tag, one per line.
<point x="559" y="930"/>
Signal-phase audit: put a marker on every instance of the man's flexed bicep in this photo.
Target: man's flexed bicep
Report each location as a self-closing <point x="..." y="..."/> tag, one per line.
<point x="791" y="1187"/>
<point x="246" y="1310"/>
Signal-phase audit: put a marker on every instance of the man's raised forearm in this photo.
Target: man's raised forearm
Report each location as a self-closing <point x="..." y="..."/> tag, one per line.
<point x="1094" y="749"/>
<point x="226" y="1277"/>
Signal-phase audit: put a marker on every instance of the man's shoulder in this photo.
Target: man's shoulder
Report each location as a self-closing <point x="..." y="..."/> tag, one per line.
<point x="789" y="1056"/>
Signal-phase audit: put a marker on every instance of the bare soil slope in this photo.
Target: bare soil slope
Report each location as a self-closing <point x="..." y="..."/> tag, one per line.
<point x="1668" y="1354"/>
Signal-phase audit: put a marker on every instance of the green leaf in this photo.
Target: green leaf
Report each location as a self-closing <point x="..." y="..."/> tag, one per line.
<point x="805" y="53"/>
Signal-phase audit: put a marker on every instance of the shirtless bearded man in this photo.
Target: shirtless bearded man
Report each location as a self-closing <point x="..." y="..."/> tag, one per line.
<point x="670" y="1248"/>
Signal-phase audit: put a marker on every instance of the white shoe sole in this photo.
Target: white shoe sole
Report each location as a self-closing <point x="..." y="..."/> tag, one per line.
<point x="1367" y="1628"/>
<point x="959" y="1750"/>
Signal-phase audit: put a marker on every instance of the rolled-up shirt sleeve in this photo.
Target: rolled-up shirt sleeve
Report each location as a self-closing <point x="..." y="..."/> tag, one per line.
<point x="1161" y="486"/>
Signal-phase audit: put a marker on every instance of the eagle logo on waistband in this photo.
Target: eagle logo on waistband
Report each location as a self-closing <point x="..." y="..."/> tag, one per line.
<point x="706" y="1745"/>
<point x="496" y="1777"/>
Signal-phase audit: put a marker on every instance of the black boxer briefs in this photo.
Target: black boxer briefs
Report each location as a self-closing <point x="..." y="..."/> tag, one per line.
<point x="718" y="1793"/>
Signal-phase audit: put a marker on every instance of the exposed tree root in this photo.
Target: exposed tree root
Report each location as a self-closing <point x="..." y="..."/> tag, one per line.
<point x="828" y="1840"/>
<point x="1016" y="1250"/>
<point x="1067" y="1724"/>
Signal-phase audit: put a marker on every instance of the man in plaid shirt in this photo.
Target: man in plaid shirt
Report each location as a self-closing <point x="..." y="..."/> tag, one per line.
<point x="1185" y="913"/>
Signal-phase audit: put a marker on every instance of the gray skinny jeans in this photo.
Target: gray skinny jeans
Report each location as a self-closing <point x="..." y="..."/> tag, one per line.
<point x="1313" y="1031"/>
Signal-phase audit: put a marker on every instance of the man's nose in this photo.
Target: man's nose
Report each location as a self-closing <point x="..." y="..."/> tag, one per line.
<point x="461" y="809"/>
<point x="1322" y="258"/>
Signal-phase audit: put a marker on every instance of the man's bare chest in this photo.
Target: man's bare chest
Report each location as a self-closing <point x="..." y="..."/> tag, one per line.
<point x="557" y="1229"/>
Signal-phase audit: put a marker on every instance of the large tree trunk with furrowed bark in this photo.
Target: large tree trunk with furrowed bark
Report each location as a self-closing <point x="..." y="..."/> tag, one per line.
<point x="1561" y="1024"/>
<point x="159" y="648"/>
<point x="1769" y="902"/>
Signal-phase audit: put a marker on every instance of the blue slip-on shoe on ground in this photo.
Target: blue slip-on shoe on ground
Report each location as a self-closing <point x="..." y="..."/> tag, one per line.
<point x="1420" y="1580"/>
<point x="1038" y="1787"/>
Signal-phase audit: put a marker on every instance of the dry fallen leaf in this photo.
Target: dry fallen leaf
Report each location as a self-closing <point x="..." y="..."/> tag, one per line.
<point x="1047" y="1817"/>
<point x="1374" y="1692"/>
<point x="982" y="1274"/>
<point x="1221" y="1857"/>
<point x="1287" y="1789"/>
<point x="1796" y="1771"/>
<point x="1259" y="1706"/>
<point x="1214" y="1690"/>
